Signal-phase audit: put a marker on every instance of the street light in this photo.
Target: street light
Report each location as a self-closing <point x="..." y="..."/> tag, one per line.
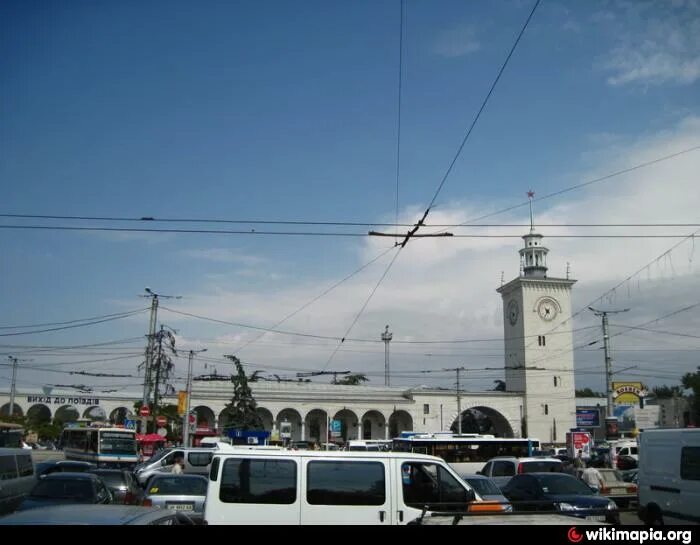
<point x="186" y="417"/>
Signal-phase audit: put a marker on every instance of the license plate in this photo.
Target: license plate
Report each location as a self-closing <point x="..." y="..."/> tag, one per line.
<point x="180" y="506"/>
<point x="618" y="491"/>
<point x="597" y="518"/>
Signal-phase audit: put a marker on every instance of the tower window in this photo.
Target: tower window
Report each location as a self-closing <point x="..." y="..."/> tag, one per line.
<point x="546" y="409"/>
<point x="555" y="381"/>
<point x="426" y="408"/>
<point x="541" y="340"/>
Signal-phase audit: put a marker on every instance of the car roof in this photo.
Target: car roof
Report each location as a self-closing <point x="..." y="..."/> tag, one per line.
<point x="72" y="475"/>
<point x="525" y="459"/>
<point x="86" y="514"/>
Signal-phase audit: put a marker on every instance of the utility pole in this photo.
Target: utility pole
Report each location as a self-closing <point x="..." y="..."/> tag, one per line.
<point x="386" y="337"/>
<point x="458" y="370"/>
<point x="150" y="346"/>
<point x="608" y="356"/>
<point x="186" y="418"/>
<point x="14" y="383"/>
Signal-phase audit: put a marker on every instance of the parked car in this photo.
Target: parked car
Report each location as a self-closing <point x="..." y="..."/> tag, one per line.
<point x="16" y="477"/>
<point x="96" y="515"/>
<point x="487" y="489"/>
<point x="58" y="488"/>
<point x="58" y="466"/>
<point x="122" y="484"/>
<point x="626" y="462"/>
<point x="181" y="492"/>
<point x="615" y="488"/>
<point x="629" y="475"/>
<point x="196" y="461"/>
<point x="501" y="469"/>
<point x="561" y="493"/>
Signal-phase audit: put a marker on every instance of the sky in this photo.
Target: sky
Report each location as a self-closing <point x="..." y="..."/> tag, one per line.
<point x="281" y="111"/>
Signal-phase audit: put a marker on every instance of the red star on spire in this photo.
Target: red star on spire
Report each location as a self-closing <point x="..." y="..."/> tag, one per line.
<point x="530" y="194"/>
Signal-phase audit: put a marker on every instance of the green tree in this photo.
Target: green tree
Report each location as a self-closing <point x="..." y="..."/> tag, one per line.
<point x="500" y="386"/>
<point x="241" y="411"/>
<point x="667" y="392"/>
<point x="352" y="380"/>
<point x="692" y="382"/>
<point x="587" y="392"/>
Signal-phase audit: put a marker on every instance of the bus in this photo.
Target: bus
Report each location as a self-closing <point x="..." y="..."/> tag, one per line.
<point x="466" y="453"/>
<point x="369" y="445"/>
<point x="106" y="447"/>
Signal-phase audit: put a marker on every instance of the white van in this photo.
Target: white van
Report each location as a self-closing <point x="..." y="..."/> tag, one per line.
<point x="318" y="487"/>
<point x="625" y="448"/>
<point x="16" y="477"/>
<point x="669" y="476"/>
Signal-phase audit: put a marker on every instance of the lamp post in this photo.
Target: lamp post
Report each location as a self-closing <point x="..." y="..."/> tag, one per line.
<point x="186" y="417"/>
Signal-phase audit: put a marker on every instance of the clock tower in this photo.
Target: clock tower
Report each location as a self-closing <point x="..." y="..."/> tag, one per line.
<point x="538" y="337"/>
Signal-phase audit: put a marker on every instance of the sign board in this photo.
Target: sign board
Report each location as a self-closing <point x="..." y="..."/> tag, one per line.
<point x="162" y="421"/>
<point x="162" y="432"/>
<point x="579" y="440"/>
<point x="587" y="418"/>
<point x="628" y="393"/>
<point x="181" y="402"/>
<point x="145" y="411"/>
<point x="193" y="419"/>
<point x="336" y="428"/>
<point x="130" y="424"/>
<point x="286" y="430"/>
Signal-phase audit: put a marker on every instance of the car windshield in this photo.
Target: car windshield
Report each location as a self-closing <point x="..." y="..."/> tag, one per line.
<point x="560" y="484"/>
<point x="484" y="487"/>
<point x="537" y="466"/>
<point x="112" y="479"/>
<point x="611" y="475"/>
<point x="73" y="489"/>
<point x="177" y="486"/>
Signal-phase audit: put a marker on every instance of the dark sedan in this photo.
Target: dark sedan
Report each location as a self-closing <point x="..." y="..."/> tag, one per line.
<point x="122" y="484"/>
<point x="60" y="488"/>
<point x="561" y="493"/>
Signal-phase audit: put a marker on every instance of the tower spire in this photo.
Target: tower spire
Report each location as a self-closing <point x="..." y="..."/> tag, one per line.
<point x="533" y="256"/>
<point x="530" y="195"/>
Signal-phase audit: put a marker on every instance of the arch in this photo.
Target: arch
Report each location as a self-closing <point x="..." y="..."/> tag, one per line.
<point x="294" y="418"/>
<point x="66" y="413"/>
<point x="16" y="410"/>
<point x="348" y="424"/>
<point x="373" y="425"/>
<point x="316" y="424"/>
<point x="119" y="415"/>
<point x="266" y="417"/>
<point x="484" y="420"/>
<point x="399" y="421"/>
<point x="39" y="414"/>
<point x="205" y="417"/>
<point x="95" y="413"/>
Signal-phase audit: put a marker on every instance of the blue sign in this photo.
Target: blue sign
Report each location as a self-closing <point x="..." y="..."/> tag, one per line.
<point x="336" y="426"/>
<point x="587" y="418"/>
<point x="130" y="424"/>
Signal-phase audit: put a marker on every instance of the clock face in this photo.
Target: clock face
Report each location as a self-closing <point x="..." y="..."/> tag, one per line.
<point x="513" y="312"/>
<point x="547" y="309"/>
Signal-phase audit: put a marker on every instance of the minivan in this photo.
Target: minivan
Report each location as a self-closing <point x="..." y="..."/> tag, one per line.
<point x="321" y="487"/>
<point x="502" y="468"/>
<point x="195" y="461"/>
<point x="668" y="478"/>
<point x="16" y="477"/>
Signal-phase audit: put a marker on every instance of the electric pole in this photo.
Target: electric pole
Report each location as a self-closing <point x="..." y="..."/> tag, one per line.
<point x="386" y="337"/>
<point x="458" y="370"/>
<point x="186" y="418"/>
<point x="150" y="347"/>
<point x="14" y="383"/>
<point x="608" y="356"/>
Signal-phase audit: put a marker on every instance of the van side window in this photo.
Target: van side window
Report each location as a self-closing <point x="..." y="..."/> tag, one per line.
<point x="258" y="481"/>
<point x="199" y="459"/>
<point x="24" y="465"/>
<point x="690" y="463"/>
<point x="8" y="468"/>
<point x="432" y="486"/>
<point x="345" y="483"/>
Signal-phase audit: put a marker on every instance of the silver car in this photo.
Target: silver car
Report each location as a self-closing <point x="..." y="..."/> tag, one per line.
<point x="185" y="493"/>
<point x="487" y="489"/>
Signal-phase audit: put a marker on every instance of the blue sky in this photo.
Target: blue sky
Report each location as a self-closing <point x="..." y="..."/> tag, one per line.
<point x="287" y="111"/>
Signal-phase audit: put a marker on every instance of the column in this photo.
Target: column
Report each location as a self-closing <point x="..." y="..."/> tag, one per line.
<point x="303" y="429"/>
<point x="359" y="430"/>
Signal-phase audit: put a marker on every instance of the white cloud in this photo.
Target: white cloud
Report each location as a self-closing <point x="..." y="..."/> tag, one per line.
<point x="457" y="41"/>
<point x="662" y="47"/>
<point x="223" y="255"/>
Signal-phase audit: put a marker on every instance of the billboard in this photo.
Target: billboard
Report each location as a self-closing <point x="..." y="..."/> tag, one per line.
<point x="628" y="393"/>
<point x="181" y="402"/>
<point x="587" y="418"/>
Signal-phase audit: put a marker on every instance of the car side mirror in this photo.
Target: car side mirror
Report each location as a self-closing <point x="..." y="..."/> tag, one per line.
<point x="479" y="473"/>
